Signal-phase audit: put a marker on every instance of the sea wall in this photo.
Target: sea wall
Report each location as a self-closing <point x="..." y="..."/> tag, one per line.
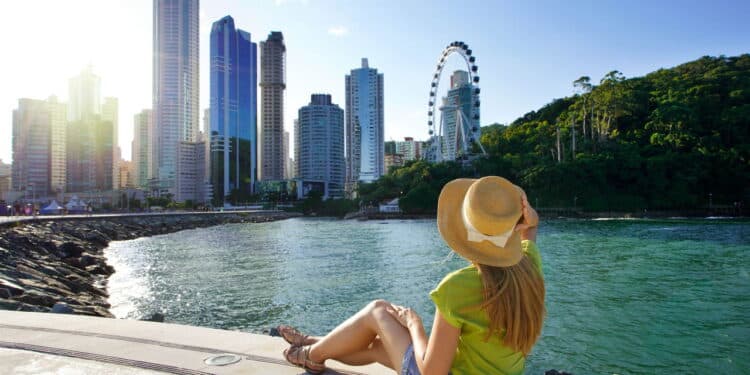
<point x="46" y="263"/>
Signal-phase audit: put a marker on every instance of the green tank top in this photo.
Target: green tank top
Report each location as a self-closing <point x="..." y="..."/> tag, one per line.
<point x="455" y="297"/>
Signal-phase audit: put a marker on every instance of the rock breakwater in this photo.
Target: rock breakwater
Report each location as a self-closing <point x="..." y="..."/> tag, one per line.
<point x="60" y="261"/>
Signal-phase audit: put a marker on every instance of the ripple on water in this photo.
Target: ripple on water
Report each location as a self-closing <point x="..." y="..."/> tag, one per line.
<point x="626" y="297"/>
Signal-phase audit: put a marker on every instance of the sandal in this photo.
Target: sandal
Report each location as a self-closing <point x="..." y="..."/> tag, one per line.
<point x="295" y="337"/>
<point x="300" y="356"/>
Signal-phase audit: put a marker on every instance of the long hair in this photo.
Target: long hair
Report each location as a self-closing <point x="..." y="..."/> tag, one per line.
<point x="514" y="301"/>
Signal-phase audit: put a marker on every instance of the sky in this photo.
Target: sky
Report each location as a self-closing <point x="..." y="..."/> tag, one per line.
<point x="528" y="52"/>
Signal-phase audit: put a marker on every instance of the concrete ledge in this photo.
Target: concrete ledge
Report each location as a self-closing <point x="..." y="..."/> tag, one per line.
<point x="168" y="348"/>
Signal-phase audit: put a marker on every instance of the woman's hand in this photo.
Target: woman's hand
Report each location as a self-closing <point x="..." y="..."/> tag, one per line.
<point x="404" y="315"/>
<point x="529" y="220"/>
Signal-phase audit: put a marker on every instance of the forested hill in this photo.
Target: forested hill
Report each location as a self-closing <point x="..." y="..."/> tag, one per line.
<point x="674" y="139"/>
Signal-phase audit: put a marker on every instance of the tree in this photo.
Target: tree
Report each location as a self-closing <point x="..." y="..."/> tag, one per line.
<point x="583" y="86"/>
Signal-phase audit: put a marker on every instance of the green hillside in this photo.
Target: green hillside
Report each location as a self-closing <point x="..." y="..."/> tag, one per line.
<point x="668" y="140"/>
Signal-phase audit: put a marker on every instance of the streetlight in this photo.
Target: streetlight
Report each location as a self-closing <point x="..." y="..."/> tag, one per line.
<point x="710" y="200"/>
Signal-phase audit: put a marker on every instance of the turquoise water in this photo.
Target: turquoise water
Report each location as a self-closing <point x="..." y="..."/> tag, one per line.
<point x="623" y="296"/>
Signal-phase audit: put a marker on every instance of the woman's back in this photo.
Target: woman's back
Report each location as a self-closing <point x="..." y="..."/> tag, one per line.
<point x="459" y="297"/>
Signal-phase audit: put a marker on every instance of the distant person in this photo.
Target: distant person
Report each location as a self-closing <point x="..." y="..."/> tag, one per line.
<point x="488" y="315"/>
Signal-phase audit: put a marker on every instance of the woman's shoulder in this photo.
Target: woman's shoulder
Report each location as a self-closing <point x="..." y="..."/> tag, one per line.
<point x="461" y="276"/>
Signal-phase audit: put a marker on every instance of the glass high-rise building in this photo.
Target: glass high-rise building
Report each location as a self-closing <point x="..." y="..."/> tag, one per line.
<point x="272" y="85"/>
<point x="175" y="87"/>
<point x="233" y="111"/>
<point x="319" y="144"/>
<point x="364" y="125"/>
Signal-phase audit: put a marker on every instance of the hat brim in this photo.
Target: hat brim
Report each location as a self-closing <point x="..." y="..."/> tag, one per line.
<point x="453" y="230"/>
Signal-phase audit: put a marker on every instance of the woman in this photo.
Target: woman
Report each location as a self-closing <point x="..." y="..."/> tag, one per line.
<point x="488" y="315"/>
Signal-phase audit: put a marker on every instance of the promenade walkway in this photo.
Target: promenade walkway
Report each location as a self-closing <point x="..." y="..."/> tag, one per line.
<point x="53" y="343"/>
<point x="7" y="219"/>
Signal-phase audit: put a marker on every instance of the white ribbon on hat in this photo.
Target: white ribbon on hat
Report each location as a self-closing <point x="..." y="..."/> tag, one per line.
<point x="475" y="235"/>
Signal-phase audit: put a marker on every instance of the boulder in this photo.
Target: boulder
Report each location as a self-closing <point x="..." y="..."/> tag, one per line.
<point x="155" y="317"/>
<point x="37" y="299"/>
<point x="70" y="250"/>
<point x="18" y="306"/>
<point x="74" y="262"/>
<point x="88" y="260"/>
<point x="12" y="288"/>
<point x="100" y="269"/>
<point x="97" y="237"/>
<point x="61" y="308"/>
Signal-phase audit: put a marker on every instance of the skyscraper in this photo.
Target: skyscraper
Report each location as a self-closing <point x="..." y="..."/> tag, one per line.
<point x="272" y="84"/>
<point x="233" y="111"/>
<point x="319" y="144"/>
<point x="459" y="100"/>
<point x="288" y="168"/>
<point x="110" y="113"/>
<point x="364" y="125"/>
<point x="141" y="148"/>
<point x="31" y="148"/>
<point x="57" y="147"/>
<point x="39" y="147"/>
<point x="125" y="169"/>
<point x="84" y="95"/>
<point x="409" y="148"/>
<point x="207" y="146"/>
<point x="175" y="87"/>
<point x="5" y="173"/>
<point x="90" y="153"/>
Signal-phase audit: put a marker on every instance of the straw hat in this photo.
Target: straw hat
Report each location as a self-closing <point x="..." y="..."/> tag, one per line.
<point x="477" y="218"/>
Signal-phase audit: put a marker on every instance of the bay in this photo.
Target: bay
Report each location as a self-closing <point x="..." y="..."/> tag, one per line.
<point x="623" y="296"/>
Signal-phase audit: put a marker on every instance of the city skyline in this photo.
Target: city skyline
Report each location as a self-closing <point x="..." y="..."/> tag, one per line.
<point x="514" y="43"/>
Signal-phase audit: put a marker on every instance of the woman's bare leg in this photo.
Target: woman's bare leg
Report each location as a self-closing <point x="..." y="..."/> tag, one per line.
<point x="374" y="353"/>
<point x="350" y="341"/>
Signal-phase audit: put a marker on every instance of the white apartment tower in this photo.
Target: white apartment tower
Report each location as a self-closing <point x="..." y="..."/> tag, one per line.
<point x="175" y="89"/>
<point x="364" y="125"/>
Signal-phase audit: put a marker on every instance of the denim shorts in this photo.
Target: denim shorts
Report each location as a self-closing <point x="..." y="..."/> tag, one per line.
<point x="409" y="364"/>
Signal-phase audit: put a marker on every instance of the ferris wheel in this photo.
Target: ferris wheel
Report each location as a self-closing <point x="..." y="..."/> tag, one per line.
<point x="458" y="128"/>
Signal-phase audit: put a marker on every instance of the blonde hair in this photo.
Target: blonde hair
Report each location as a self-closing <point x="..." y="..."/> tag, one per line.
<point x="514" y="301"/>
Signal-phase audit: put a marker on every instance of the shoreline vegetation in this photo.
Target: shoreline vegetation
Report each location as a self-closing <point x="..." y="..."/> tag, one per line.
<point x="58" y="264"/>
<point x="570" y="213"/>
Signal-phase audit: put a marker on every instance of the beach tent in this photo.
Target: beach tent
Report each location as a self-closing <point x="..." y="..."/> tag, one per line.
<point x="75" y="205"/>
<point x="52" y="209"/>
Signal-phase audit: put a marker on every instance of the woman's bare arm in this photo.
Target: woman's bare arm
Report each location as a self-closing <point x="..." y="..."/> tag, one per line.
<point x="529" y="222"/>
<point x="433" y="355"/>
